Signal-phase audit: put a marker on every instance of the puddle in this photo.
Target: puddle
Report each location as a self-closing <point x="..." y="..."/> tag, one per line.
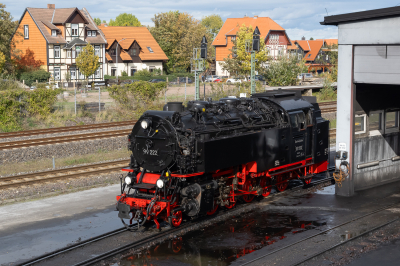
<point x="224" y="242"/>
<point x="326" y="190"/>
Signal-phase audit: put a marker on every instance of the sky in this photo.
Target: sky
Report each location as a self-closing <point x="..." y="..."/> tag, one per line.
<point x="298" y="18"/>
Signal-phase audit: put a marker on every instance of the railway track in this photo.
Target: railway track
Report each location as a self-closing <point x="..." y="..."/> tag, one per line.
<point x="63" y="139"/>
<point x="329" y="231"/>
<point x="64" y="129"/>
<point x="45" y="176"/>
<point x="154" y="238"/>
<point x="332" y="133"/>
<point x="327" y="103"/>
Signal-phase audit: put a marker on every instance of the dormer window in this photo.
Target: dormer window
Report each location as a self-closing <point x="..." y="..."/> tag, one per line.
<point x="89" y="33"/>
<point x="94" y="33"/>
<point x="54" y="33"/>
<point x="133" y="52"/>
<point x="112" y="51"/>
<point x="150" y="50"/>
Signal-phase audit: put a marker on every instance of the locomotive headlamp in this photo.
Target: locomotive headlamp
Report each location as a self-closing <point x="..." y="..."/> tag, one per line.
<point x="128" y="180"/>
<point x="145" y="124"/>
<point x="160" y="183"/>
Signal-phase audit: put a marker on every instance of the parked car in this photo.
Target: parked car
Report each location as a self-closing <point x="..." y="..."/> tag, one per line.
<point x="182" y="80"/>
<point x="156" y="80"/>
<point x="233" y="80"/>
<point x="218" y="80"/>
<point x="305" y="75"/>
<point x="259" y="78"/>
<point x="32" y="88"/>
<point x="211" y="78"/>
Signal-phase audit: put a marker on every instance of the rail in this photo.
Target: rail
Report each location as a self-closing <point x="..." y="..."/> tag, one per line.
<point x="71" y="172"/>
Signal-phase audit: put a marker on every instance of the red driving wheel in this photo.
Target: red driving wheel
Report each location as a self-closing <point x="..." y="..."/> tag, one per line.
<point x="307" y="181"/>
<point x="266" y="189"/>
<point x="231" y="205"/>
<point x="281" y="183"/>
<point x="178" y="219"/>
<point x="249" y="197"/>
<point x="213" y="210"/>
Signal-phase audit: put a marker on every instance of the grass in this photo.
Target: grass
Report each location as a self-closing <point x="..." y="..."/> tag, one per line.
<point x="332" y="123"/>
<point x="47" y="163"/>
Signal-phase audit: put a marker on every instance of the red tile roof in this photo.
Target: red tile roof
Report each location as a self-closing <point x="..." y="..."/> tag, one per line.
<point x="125" y="56"/>
<point x="143" y="37"/>
<point x="232" y="25"/>
<point x="329" y="41"/>
<point x="108" y="57"/>
<point x="311" y="48"/>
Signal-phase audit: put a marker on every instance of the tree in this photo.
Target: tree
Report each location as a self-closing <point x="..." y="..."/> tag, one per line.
<point x="177" y="34"/>
<point x="97" y="21"/>
<point x="239" y="60"/>
<point x="31" y="77"/>
<point x="213" y="23"/>
<point x="125" y="19"/>
<point x="284" y="71"/>
<point x="7" y="47"/>
<point x="311" y="38"/>
<point x="87" y="61"/>
<point x="27" y="62"/>
<point x="2" y="61"/>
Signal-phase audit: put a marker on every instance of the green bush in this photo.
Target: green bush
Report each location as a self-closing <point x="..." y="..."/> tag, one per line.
<point x="31" y="77"/>
<point x="10" y="109"/>
<point x="124" y="74"/>
<point x="40" y="101"/>
<point x="143" y="73"/>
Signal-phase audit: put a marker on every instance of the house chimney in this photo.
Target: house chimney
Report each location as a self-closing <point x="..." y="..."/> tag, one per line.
<point x="303" y="38"/>
<point x="51" y="6"/>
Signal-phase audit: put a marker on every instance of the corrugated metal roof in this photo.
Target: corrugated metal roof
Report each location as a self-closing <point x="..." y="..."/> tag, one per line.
<point x="363" y="15"/>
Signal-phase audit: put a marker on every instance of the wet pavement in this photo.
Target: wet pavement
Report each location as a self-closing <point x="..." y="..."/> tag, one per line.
<point x="281" y="231"/>
<point x="35" y="239"/>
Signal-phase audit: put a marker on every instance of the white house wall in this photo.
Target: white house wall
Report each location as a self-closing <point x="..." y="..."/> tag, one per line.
<point x="139" y="66"/>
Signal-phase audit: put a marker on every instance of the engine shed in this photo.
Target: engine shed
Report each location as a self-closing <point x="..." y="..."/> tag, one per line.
<point x="368" y="104"/>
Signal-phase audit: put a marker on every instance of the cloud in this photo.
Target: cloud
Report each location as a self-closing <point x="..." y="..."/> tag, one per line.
<point x="298" y="18"/>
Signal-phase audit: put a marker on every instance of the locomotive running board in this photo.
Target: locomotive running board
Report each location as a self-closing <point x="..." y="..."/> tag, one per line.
<point x="290" y="169"/>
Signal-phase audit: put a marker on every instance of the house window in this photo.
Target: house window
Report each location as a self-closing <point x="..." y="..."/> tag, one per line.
<point x="57" y="73"/>
<point x="97" y="50"/>
<point x="391" y="121"/>
<point x="94" y="33"/>
<point x="74" y="29"/>
<point x="150" y="50"/>
<point x="78" y="50"/>
<point x="81" y="76"/>
<point x="327" y="57"/>
<point x="97" y="73"/>
<point x="112" y="52"/>
<point x="56" y="51"/>
<point x="133" y="71"/>
<point x="89" y="33"/>
<point x="113" y="71"/>
<point x="151" y="68"/>
<point x="72" y="73"/>
<point x="54" y="33"/>
<point x="133" y="51"/>
<point x="69" y="54"/>
<point x="233" y="38"/>
<point x="26" y="31"/>
<point x="359" y="124"/>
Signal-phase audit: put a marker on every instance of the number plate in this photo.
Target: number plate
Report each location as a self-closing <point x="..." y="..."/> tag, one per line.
<point x="150" y="152"/>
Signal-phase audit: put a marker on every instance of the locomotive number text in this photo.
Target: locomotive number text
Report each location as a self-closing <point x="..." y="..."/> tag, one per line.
<point x="150" y="152"/>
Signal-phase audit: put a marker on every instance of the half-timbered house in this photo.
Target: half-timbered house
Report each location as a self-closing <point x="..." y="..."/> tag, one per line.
<point x="57" y="37"/>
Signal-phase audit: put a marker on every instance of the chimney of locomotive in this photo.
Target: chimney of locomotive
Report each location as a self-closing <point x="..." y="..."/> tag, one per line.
<point x="256" y="40"/>
<point x="203" y="47"/>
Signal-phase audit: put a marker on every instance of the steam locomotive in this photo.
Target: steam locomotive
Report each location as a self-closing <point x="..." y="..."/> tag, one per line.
<point x="191" y="160"/>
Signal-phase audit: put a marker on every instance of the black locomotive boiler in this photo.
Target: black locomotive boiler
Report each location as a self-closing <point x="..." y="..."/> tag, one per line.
<point x="191" y="160"/>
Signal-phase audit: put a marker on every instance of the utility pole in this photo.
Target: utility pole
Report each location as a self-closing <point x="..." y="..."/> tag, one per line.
<point x="197" y="64"/>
